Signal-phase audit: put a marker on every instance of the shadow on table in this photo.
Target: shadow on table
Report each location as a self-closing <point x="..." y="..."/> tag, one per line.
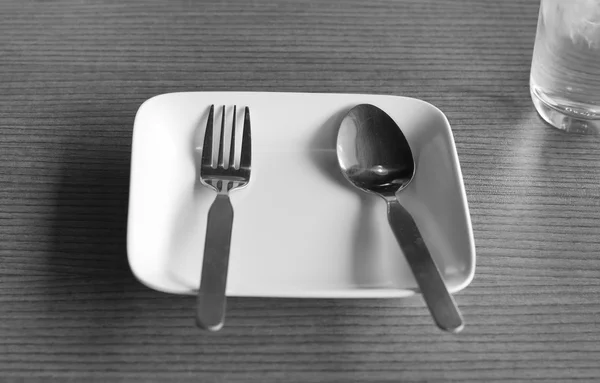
<point x="91" y="214"/>
<point x="91" y="200"/>
<point x="88" y="262"/>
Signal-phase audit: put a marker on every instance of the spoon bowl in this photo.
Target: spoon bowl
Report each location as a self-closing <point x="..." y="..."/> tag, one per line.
<point x="364" y="152"/>
<point x="375" y="156"/>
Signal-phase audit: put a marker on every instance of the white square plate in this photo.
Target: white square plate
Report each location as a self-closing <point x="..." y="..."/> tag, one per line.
<point x="300" y="229"/>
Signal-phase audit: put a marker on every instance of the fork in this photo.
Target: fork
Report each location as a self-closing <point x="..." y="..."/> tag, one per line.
<point x="211" y="300"/>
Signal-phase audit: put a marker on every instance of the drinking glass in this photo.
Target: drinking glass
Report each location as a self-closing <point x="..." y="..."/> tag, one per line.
<point x="565" y="70"/>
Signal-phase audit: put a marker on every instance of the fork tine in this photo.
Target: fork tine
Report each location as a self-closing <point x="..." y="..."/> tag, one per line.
<point x="232" y="146"/>
<point x="246" y="142"/>
<point x="222" y="139"/>
<point x="208" y="139"/>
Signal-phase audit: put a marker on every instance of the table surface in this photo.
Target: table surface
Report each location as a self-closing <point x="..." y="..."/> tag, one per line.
<point x="72" y="75"/>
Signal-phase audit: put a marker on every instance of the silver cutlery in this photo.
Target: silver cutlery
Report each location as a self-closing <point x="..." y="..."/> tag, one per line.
<point x="223" y="178"/>
<point x="375" y="156"/>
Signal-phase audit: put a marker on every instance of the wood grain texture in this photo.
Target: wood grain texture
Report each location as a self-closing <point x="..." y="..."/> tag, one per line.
<point x="74" y="72"/>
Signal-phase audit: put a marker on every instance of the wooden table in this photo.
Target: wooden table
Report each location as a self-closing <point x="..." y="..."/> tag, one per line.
<point x="72" y="75"/>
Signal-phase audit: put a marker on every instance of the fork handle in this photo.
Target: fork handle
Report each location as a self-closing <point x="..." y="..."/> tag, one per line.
<point x="211" y="301"/>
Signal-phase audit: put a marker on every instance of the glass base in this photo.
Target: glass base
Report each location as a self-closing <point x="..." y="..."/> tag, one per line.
<point x="563" y="118"/>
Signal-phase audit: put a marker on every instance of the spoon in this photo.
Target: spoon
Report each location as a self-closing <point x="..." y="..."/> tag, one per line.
<point x="375" y="156"/>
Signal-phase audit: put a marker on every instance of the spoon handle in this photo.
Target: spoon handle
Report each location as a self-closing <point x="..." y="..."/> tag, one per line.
<point x="435" y="293"/>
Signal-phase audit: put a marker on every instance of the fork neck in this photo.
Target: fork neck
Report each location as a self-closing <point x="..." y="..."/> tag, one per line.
<point x="223" y="187"/>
